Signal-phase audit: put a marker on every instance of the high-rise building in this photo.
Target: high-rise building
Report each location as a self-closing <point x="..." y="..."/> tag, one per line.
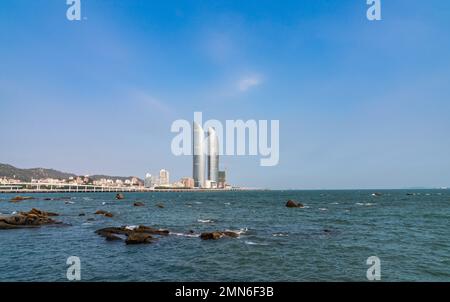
<point x="213" y="155"/>
<point x="222" y="180"/>
<point x="188" y="182"/>
<point x="148" y="181"/>
<point x="199" y="156"/>
<point x="164" y="179"/>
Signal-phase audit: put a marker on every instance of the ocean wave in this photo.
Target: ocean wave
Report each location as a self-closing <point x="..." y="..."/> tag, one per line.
<point x="131" y="227"/>
<point x="227" y="203"/>
<point x="255" y="243"/>
<point x="205" y="220"/>
<point x="280" y="235"/>
<point x="198" y="202"/>
<point x="335" y="202"/>
<point x="185" y="235"/>
<point x="323" y="209"/>
<point x="239" y="232"/>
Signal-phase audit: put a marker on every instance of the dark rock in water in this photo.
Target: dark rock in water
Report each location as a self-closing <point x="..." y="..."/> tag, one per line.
<point x="138" y="238"/>
<point x="410" y="194"/>
<point x="294" y="204"/>
<point x="218" y="235"/>
<point x="211" y="236"/>
<point x="231" y="234"/>
<point x="57" y="198"/>
<point x="160" y="205"/>
<point x="21" y="198"/>
<point x="111" y="237"/>
<point x="82" y="214"/>
<point x="120" y="196"/>
<point x="134" y="235"/>
<point x="90" y="219"/>
<point x="327" y="231"/>
<point x="33" y="218"/>
<point x="104" y="213"/>
<point x="139" y="204"/>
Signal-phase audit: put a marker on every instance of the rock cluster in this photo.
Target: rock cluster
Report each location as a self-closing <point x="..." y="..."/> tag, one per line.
<point x="133" y="235"/>
<point x="120" y="196"/>
<point x="33" y="218"/>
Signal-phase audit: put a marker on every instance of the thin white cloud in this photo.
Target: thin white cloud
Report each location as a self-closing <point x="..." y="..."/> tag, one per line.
<point x="248" y="82"/>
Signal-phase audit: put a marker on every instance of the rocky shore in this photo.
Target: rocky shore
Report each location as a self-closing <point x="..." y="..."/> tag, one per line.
<point x="32" y="219"/>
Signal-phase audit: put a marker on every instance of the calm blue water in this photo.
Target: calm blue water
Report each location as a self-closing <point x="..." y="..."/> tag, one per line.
<point x="408" y="233"/>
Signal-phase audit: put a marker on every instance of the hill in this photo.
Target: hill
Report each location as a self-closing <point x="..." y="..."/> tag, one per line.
<point x="39" y="173"/>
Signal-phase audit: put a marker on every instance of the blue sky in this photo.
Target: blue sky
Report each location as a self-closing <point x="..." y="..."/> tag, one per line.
<point x="361" y="104"/>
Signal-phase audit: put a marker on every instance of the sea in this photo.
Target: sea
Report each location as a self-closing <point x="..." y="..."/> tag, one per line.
<point x="330" y="239"/>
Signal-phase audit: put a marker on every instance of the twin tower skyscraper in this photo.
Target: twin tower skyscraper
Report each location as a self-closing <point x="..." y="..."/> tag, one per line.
<point x="205" y="149"/>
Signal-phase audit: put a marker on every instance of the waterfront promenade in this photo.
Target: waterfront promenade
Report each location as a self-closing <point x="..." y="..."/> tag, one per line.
<point x="81" y="188"/>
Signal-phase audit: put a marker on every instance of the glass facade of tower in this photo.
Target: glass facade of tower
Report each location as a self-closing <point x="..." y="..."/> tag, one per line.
<point x="213" y="155"/>
<point x="199" y="156"/>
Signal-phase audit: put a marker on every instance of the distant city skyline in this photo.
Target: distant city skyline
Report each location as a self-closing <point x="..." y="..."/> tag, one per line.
<point x="361" y="104"/>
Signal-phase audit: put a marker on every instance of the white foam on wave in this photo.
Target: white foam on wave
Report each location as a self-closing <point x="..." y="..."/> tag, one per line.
<point x="103" y="203"/>
<point x="87" y="198"/>
<point x="335" y="203"/>
<point x="280" y="235"/>
<point x="239" y="232"/>
<point x="323" y="209"/>
<point x="255" y="243"/>
<point x="359" y="204"/>
<point x="227" y="203"/>
<point x="198" y="202"/>
<point x="205" y="220"/>
<point x="185" y="235"/>
<point x="131" y="227"/>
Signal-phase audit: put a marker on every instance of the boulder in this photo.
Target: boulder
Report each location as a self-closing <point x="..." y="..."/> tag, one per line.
<point x="120" y="196"/>
<point x="132" y="234"/>
<point x="138" y="238"/>
<point x="40" y="213"/>
<point x="294" y="204"/>
<point x="211" y="236"/>
<point x="139" y="204"/>
<point x="160" y="205"/>
<point x="104" y="213"/>
<point x="124" y="230"/>
<point x="217" y="235"/>
<point x="33" y="218"/>
<point x="231" y="234"/>
<point x="21" y="198"/>
<point x="111" y="237"/>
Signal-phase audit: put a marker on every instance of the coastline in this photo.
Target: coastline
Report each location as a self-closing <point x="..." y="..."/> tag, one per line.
<point x="121" y="190"/>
